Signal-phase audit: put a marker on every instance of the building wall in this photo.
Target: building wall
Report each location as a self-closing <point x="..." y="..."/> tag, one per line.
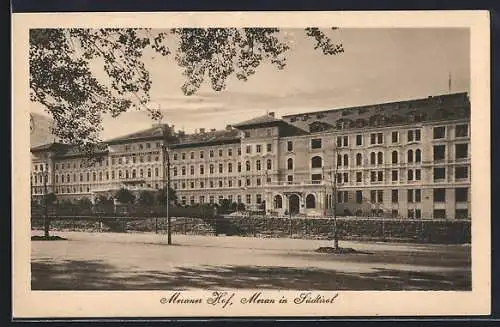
<point x="259" y="184"/>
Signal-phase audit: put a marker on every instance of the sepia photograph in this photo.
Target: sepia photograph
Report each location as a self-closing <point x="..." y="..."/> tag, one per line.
<point x="240" y="162"/>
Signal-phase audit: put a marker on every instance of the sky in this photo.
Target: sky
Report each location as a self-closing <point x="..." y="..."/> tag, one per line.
<point x="377" y="66"/>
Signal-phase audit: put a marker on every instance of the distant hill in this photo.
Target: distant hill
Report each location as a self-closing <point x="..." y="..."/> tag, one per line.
<point x="40" y="133"/>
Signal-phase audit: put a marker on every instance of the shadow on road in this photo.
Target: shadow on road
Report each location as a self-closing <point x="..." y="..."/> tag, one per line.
<point x="96" y="275"/>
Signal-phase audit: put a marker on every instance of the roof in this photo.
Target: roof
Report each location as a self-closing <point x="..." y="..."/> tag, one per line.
<point x="207" y="138"/>
<point x="261" y="120"/>
<point x="156" y="132"/>
<point x="433" y="108"/>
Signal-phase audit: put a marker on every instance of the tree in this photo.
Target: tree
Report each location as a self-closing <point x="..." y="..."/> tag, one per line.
<point x="124" y="196"/>
<point x="241" y="206"/>
<point x="162" y="195"/>
<point x="225" y="205"/>
<point x="62" y="68"/>
<point x="146" y="198"/>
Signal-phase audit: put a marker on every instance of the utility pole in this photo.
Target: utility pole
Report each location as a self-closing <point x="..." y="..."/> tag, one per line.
<point x="169" y="225"/>
<point x="46" y="223"/>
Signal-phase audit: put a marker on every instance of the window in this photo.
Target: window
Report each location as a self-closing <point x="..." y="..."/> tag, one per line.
<point x="380" y="176"/>
<point x="247" y="165"/>
<point x="439" y="132"/>
<point x="230" y="183"/>
<point x="372" y="158"/>
<point x="439" y="152"/>
<point x="339" y="160"/>
<point x="373" y="138"/>
<point x="417" y="135"/>
<point x="346" y="177"/>
<point x="248" y="149"/>
<point x="462" y="130"/>
<point x="418" y="196"/>
<point x="149" y="171"/>
<point x="229" y="167"/>
<point x="269" y="147"/>
<point x="380" y="138"/>
<point x="461" y="172"/>
<point x="410" y="174"/>
<point x="410" y="196"/>
<point x="373" y="176"/>
<point x="211" y="153"/>
<point x="221" y="168"/>
<point x="346" y="160"/>
<point x="229" y="152"/>
<point x="202" y="184"/>
<point x="380" y="196"/>
<point x="339" y="141"/>
<point x="418" y="155"/>
<point x="175" y="171"/>
<point x="249" y="198"/>
<point x="211" y="168"/>
<point x="461" y="150"/>
<point x="373" y="196"/>
<point x="258" y="165"/>
<point x="239" y="167"/>
<point x="191" y="184"/>
<point x="202" y="169"/>
<point x="359" y="196"/>
<point x="410" y="156"/>
<point x="211" y="184"/>
<point x="316" y="144"/>
<point x="183" y="171"/>
<point x="192" y="155"/>
<point x="395" y="137"/>
<point x="278" y="202"/>
<point x="310" y="201"/>
<point x="395" y="196"/>
<point x="290" y="163"/>
<point x="239" y="183"/>
<point x="359" y="139"/>
<point x="410" y="135"/>
<point x="439" y="214"/>
<point x="461" y="194"/>
<point x="359" y="159"/>
<point x="316" y="162"/>
<point x="183" y="156"/>
<point x="461" y="214"/>
<point x="258" y="148"/>
<point x="359" y="177"/>
<point x="342" y="197"/>
<point x="439" y="195"/>
<point x="220" y="183"/>
<point x="394" y="157"/>
<point x="345" y="141"/>
<point x="269" y="164"/>
<point x="220" y="153"/>
<point x="418" y="174"/>
<point x="239" y="151"/>
<point x="202" y="154"/>
<point x="289" y="178"/>
<point x="248" y="182"/>
<point x="258" y="198"/>
<point x="258" y="181"/>
<point x="439" y="173"/>
<point x="191" y="170"/>
<point x="289" y="146"/>
<point x="380" y="158"/>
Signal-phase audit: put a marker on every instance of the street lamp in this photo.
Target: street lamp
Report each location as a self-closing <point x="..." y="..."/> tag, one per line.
<point x="166" y="159"/>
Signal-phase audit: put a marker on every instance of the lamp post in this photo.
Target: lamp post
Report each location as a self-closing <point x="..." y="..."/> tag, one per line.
<point x="334" y="197"/>
<point x="166" y="159"/>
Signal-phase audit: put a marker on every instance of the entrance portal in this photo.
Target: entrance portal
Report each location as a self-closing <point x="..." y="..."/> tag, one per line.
<point x="294" y="204"/>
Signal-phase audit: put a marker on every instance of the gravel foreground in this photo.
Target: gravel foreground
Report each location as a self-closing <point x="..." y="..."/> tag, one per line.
<point x="144" y="261"/>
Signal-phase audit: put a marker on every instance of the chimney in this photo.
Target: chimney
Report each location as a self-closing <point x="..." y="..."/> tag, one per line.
<point x="202" y="130"/>
<point x="271" y="114"/>
<point x="228" y="127"/>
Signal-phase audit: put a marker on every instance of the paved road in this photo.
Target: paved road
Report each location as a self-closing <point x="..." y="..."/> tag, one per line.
<point x="112" y="261"/>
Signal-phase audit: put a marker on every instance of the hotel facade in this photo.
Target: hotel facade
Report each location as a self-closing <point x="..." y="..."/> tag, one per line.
<point x="406" y="159"/>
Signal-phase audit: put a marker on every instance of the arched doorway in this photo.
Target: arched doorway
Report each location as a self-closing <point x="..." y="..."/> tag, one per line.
<point x="294" y="204"/>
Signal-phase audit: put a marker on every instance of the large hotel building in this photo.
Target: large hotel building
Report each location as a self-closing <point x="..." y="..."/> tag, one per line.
<point x="406" y="159"/>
